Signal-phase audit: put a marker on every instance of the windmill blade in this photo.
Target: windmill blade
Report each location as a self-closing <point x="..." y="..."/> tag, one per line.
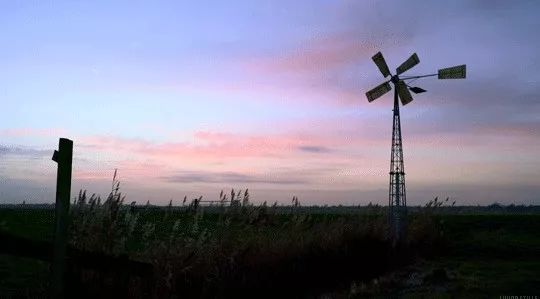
<point x="378" y="91"/>
<point x="455" y="72"/>
<point x="408" y="64"/>
<point x="417" y="89"/>
<point x="381" y="64"/>
<point x="404" y="93"/>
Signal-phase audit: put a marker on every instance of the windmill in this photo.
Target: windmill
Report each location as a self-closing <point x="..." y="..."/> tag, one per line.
<point x="397" y="200"/>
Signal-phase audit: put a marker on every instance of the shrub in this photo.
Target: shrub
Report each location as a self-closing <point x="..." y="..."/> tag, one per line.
<point x="426" y="229"/>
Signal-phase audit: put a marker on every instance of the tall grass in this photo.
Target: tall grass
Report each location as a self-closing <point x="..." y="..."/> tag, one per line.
<point x="426" y="228"/>
<point x="102" y="226"/>
<point x="235" y="247"/>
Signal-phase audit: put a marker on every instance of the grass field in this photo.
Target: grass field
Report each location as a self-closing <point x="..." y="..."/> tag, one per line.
<point x="486" y="256"/>
<point x="294" y="251"/>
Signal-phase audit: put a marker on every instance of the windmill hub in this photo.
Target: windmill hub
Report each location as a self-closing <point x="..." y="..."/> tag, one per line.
<point x="397" y="203"/>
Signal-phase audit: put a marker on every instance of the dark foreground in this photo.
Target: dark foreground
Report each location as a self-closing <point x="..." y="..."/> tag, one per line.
<point x="486" y="256"/>
<point x="250" y="251"/>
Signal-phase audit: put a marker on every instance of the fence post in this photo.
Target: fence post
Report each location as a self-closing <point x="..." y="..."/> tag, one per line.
<point x="63" y="158"/>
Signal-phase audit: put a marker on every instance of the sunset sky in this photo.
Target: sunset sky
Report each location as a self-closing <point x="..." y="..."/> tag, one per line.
<point x="192" y="97"/>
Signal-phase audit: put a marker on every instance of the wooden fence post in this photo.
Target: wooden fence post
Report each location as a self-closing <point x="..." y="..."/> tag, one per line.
<point x="63" y="157"/>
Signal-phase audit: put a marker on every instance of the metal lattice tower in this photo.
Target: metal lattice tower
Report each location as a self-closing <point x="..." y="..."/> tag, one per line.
<point x="397" y="198"/>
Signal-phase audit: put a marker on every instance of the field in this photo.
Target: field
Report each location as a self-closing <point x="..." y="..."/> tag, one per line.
<point x="485" y="256"/>
<point x="246" y="250"/>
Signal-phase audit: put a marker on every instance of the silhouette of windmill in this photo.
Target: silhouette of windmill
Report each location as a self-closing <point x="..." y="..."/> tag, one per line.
<point x="397" y="200"/>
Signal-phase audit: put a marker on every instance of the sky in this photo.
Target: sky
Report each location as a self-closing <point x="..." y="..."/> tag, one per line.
<point x="188" y="98"/>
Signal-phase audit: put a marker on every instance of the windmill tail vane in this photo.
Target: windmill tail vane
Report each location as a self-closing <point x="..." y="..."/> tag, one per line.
<point x="397" y="200"/>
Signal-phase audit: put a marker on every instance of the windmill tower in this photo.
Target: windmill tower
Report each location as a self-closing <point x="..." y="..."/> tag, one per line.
<point x="397" y="198"/>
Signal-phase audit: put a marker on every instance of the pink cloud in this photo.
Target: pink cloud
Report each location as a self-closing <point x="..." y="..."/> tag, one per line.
<point x="318" y="55"/>
<point x="88" y="175"/>
<point x="527" y="132"/>
<point x="317" y="69"/>
<point x="128" y="169"/>
<point x="209" y="145"/>
<point x="252" y="158"/>
<point x="353" y="150"/>
<point x="311" y="72"/>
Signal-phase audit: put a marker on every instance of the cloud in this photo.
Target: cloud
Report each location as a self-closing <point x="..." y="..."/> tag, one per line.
<point x="323" y="68"/>
<point x="481" y="107"/>
<point x="314" y="149"/>
<point x="212" y="145"/>
<point x="32" y="132"/>
<point x="14" y="190"/>
<point x="318" y="54"/>
<point x="227" y="178"/>
<point x="24" y="151"/>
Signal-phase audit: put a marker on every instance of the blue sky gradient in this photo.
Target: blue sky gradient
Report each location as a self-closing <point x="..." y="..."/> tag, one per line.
<point x="191" y="97"/>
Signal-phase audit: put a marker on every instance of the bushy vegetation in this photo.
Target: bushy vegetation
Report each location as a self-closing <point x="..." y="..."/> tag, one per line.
<point x="426" y="228"/>
<point x="234" y="247"/>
